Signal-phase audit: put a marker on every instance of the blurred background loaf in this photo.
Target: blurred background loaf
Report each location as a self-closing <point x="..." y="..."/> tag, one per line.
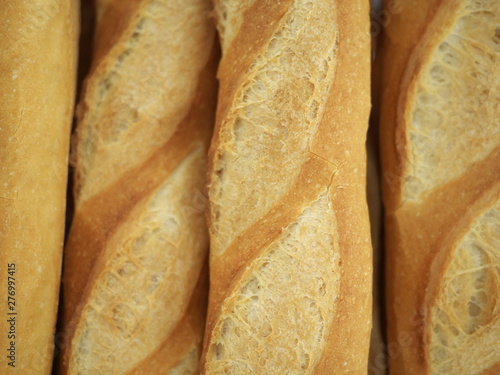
<point x="440" y="149"/>
<point x="38" y="56"/>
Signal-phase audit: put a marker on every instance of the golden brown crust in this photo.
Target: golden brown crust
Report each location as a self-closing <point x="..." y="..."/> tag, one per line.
<point x="324" y="191"/>
<point x="438" y="181"/>
<point x="37" y="87"/>
<point x="138" y="240"/>
<point x="348" y="111"/>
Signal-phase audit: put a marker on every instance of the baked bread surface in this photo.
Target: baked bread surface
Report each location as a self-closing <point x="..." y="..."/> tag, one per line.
<point x="441" y="166"/>
<point x="133" y="288"/>
<point x="38" y="56"/>
<point x="290" y="247"/>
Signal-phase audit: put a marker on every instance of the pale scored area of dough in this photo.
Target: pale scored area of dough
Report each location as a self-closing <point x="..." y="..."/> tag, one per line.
<point x="266" y="136"/>
<point x="277" y="319"/>
<point x="151" y="267"/>
<point x="466" y="317"/>
<point x="148" y="77"/>
<point x="455" y="116"/>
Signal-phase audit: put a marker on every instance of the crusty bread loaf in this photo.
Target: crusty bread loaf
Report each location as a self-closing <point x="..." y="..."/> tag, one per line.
<point x="38" y="51"/>
<point x="441" y="165"/>
<point x="138" y="240"/>
<point x="290" y="246"/>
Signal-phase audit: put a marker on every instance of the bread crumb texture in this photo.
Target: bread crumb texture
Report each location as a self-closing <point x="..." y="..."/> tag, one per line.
<point x="453" y="114"/>
<point x="142" y="80"/>
<point x="274" y="116"/>
<point x="276" y="319"/>
<point x="465" y="319"/>
<point x="148" y="272"/>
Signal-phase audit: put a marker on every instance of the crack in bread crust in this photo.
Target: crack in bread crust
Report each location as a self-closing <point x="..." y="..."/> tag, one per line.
<point x="266" y="136"/>
<point x="286" y="163"/>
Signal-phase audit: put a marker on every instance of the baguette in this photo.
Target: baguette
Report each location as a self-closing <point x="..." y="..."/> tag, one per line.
<point x="290" y="256"/>
<point x="37" y="85"/>
<point x="441" y="160"/>
<point x="134" y="289"/>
